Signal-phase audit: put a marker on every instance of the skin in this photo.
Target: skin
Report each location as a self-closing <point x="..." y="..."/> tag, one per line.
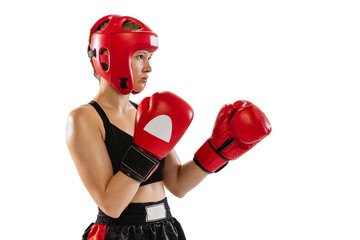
<point x="85" y="135"/>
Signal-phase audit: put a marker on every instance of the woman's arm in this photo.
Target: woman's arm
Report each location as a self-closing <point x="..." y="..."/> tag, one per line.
<point x="112" y="193"/>
<point x="179" y="178"/>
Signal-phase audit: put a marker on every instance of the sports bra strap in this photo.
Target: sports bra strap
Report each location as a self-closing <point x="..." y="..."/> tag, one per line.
<point x="134" y="104"/>
<point x="100" y="112"/>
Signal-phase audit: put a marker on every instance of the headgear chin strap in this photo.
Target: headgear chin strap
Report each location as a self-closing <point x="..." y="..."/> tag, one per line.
<point x="120" y="44"/>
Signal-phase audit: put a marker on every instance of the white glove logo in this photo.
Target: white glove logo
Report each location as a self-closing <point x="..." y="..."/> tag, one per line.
<point x="160" y="127"/>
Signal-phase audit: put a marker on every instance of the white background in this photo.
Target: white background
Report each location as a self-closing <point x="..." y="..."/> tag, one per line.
<point x="296" y="60"/>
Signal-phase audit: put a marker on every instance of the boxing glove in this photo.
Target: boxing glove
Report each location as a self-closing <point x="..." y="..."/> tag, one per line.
<point x="160" y="121"/>
<point x="238" y="128"/>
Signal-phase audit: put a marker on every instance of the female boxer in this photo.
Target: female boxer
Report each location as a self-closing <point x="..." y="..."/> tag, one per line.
<point x="100" y="133"/>
<point x="123" y="159"/>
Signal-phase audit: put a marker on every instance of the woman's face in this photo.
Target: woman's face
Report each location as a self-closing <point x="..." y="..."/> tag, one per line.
<point x="141" y="68"/>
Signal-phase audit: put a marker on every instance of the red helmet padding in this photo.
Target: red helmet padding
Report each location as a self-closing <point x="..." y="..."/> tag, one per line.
<point x="121" y="45"/>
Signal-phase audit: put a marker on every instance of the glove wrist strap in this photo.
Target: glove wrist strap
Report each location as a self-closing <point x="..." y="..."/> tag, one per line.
<point x="208" y="159"/>
<point x="138" y="164"/>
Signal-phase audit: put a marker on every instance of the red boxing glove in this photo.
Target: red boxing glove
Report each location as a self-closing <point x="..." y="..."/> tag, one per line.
<point x="238" y="128"/>
<point x="161" y="120"/>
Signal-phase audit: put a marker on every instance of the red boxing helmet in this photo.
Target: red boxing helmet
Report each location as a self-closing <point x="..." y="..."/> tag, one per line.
<point x="120" y="45"/>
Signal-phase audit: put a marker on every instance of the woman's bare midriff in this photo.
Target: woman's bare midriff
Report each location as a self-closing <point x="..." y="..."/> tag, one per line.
<point x="150" y="193"/>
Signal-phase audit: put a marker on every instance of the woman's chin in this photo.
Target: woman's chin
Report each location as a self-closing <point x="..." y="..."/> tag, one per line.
<point x="140" y="87"/>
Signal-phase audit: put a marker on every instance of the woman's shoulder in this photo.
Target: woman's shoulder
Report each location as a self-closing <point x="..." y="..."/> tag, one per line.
<point x="84" y="111"/>
<point x="83" y="116"/>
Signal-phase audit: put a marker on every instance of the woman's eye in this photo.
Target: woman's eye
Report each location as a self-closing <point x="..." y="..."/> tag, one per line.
<point x="140" y="56"/>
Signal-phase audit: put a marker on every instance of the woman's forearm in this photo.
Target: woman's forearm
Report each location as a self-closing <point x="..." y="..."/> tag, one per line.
<point x="117" y="195"/>
<point x="189" y="176"/>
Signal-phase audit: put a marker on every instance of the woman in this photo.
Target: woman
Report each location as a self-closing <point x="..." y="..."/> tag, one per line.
<point x="99" y="133"/>
<point x="104" y="141"/>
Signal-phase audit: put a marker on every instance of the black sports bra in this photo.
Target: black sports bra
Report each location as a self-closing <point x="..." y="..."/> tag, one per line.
<point x="117" y="142"/>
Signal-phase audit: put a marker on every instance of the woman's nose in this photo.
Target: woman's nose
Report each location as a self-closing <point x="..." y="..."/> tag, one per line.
<point x="147" y="67"/>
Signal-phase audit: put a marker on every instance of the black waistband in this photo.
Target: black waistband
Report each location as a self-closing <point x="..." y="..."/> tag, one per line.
<point x="134" y="214"/>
